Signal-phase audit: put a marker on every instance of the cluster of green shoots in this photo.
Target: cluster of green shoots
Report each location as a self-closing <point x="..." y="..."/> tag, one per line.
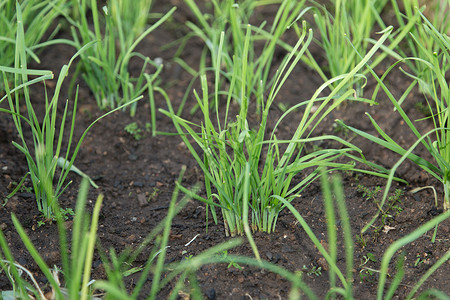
<point x="118" y="29"/>
<point x="434" y="82"/>
<point x="229" y="145"/>
<point x="38" y="17"/>
<point x="250" y="174"/>
<point x="43" y="155"/>
<point x="232" y="19"/>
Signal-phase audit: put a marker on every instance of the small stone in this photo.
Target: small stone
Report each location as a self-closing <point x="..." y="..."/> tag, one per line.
<point x="51" y="257"/>
<point x="286" y="249"/>
<point x="26" y="195"/>
<point x="181" y="146"/>
<point x="138" y="184"/>
<point x="22" y="261"/>
<point x="276" y="258"/>
<point x="3" y="226"/>
<point x="211" y="294"/>
<point x="132" y="157"/>
<point x="269" y="255"/>
<point x="434" y="211"/>
<point x="12" y="203"/>
<point x="118" y="184"/>
<point x="142" y="199"/>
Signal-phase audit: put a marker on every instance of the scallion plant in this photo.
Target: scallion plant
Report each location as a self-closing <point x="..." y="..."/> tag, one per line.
<point x="228" y="146"/>
<point x="117" y="30"/>
<point x="233" y="18"/>
<point x="352" y="18"/>
<point x="419" y="43"/>
<point x="37" y="17"/>
<point x="43" y="152"/>
<point x="346" y="36"/>
<point x="437" y="62"/>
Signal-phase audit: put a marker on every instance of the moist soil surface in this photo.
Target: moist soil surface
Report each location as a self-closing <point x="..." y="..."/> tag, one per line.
<point x="137" y="178"/>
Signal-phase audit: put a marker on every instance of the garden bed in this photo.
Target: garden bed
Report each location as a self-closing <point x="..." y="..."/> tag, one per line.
<point x="137" y="177"/>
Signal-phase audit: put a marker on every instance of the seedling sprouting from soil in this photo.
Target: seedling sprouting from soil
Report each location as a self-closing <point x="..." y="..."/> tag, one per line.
<point x="367" y="193"/>
<point x="137" y="132"/>
<point x="312" y="270"/>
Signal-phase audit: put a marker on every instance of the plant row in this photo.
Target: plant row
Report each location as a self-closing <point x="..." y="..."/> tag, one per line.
<point x="250" y="174"/>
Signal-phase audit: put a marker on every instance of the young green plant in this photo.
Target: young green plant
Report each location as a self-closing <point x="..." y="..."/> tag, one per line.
<point x="43" y="153"/>
<point x="354" y="19"/>
<point x="439" y="104"/>
<point x="419" y="43"/>
<point x="37" y="17"/>
<point x="227" y="147"/>
<point x="346" y="36"/>
<point x="233" y="19"/>
<point x="105" y="66"/>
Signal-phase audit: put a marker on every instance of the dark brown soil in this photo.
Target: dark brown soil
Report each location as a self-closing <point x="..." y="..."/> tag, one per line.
<point x="128" y="170"/>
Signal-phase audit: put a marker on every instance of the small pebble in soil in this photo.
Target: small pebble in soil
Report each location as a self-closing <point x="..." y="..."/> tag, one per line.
<point x="131" y="238"/>
<point x="276" y="258"/>
<point x="26" y="195"/>
<point x="132" y="157"/>
<point x="197" y="212"/>
<point x="286" y="249"/>
<point x="434" y="211"/>
<point x="22" y="261"/>
<point x="96" y="263"/>
<point x="211" y="294"/>
<point x="118" y="184"/>
<point x="138" y="184"/>
<point x="142" y="199"/>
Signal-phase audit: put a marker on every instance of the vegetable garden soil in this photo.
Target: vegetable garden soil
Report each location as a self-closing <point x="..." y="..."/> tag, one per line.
<point x="137" y="179"/>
